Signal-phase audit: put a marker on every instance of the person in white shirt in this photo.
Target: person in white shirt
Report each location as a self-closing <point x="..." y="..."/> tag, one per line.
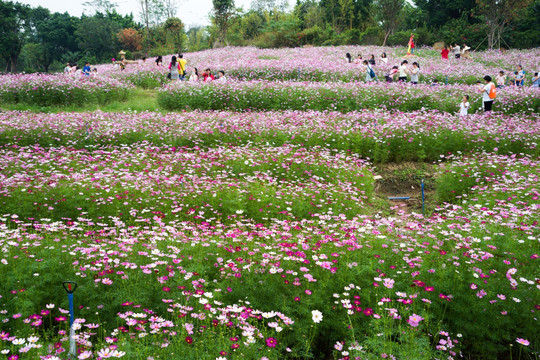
<point x="384" y="58"/>
<point x="485" y="90"/>
<point x="194" y="75"/>
<point x="415" y="71"/>
<point x="465" y="51"/>
<point x="67" y="69"/>
<point x="457" y="51"/>
<point x="464" y="106"/>
<point x="221" y="77"/>
<point x="403" y="70"/>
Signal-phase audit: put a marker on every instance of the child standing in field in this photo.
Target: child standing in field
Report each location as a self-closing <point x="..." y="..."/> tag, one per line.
<point x="500" y="79"/>
<point x="415" y="73"/>
<point x="464" y="106"/>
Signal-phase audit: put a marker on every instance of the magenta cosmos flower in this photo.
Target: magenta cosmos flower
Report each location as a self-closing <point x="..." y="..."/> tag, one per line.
<point x="271" y="342"/>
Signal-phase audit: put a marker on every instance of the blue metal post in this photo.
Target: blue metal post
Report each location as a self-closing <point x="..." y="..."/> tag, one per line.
<point x="71" y="312"/>
<point x="446" y="80"/>
<point x="70" y="287"/>
<point x="423" y="197"/>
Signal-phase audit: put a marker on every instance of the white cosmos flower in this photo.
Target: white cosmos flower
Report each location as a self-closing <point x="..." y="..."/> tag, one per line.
<point x="317" y="316"/>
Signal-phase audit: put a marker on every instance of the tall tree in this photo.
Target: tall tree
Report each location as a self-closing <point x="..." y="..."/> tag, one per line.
<point x="155" y="12"/>
<point x="363" y="14"/>
<point x="222" y="12"/>
<point x="175" y="29"/>
<point x="145" y="14"/>
<point x="388" y="13"/>
<point x="346" y="13"/>
<point x="100" y="6"/>
<point x="438" y="12"/>
<point x="498" y="14"/>
<point x="56" y="34"/>
<point x="130" y="38"/>
<point x="170" y="8"/>
<point x="14" y="18"/>
<point x="96" y="36"/>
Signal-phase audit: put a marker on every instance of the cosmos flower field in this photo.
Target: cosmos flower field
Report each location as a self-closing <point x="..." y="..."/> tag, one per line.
<point x="265" y="232"/>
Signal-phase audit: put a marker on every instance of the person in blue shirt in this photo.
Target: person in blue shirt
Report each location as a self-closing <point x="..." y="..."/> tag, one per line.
<point x="536" y="80"/>
<point x="86" y="69"/>
<point x="520" y="76"/>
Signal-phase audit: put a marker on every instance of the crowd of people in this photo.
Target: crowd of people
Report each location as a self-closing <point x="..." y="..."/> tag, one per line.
<point x="402" y="73"/>
<point x="410" y="73"/>
<point x="455" y="50"/>
<point x="178" y="71"/>
<point x="396" y="73"/>
<point x="75" y="69"/>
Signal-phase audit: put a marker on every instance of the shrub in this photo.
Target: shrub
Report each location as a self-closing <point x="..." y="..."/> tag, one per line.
<point x="61" y="90"/>
<point x="334" y="97"/>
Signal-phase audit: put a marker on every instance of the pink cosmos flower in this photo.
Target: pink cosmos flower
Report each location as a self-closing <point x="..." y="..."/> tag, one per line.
<point x="523" y="341"/>
<point x="414" y="320"/>
<point x="389" y="283"/>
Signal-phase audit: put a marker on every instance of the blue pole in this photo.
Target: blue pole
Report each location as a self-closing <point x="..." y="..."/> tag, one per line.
<point x="446" y="80"/>
<point x="71" y="312"/>
<point x="399" y="197"/>
<point x="422" y="197"/>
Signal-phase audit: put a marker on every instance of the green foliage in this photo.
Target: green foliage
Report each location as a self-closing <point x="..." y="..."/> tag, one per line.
<point x="372" y="36"/>
<point x="460" y="31"/>
<point x="437" y="13"/>
<point x="97" y="36"/>
<point x="422" y="36"/>
<point x="55" y="33"/>
<point x="14" y="18"/>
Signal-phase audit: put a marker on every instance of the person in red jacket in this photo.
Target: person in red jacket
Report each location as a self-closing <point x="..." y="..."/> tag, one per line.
<point x="207" y="76"/>
<point x="444" y="53"/>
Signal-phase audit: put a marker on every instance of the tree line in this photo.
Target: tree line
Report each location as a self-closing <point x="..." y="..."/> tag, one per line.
<point x="35" y="39"/>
